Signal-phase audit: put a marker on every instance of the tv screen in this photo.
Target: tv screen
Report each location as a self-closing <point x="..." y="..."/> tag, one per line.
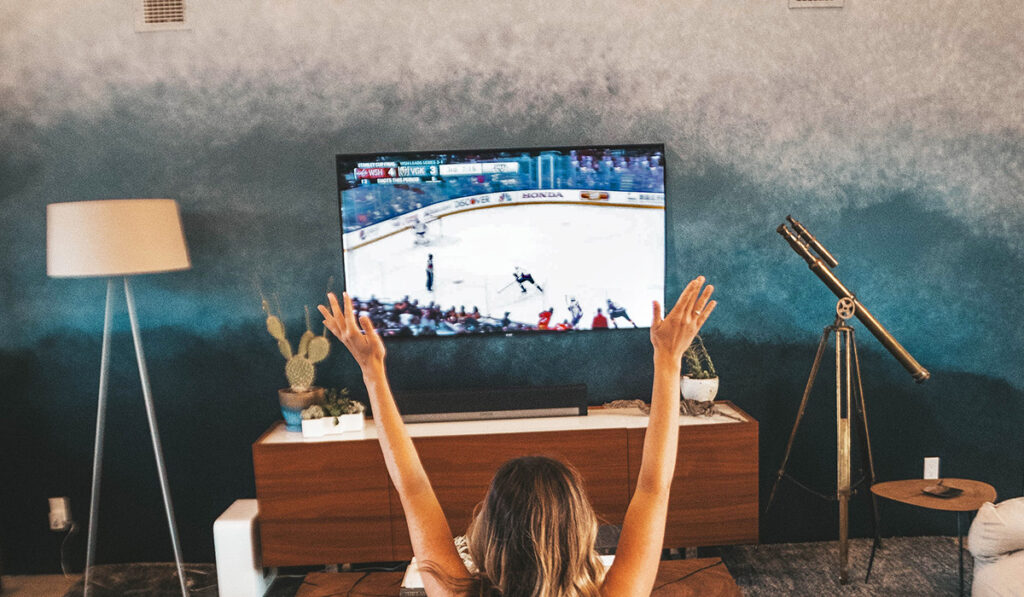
<point x="536" y="240"/>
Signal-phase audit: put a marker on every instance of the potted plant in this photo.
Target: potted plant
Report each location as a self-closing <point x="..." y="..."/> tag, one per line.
<point x="337" y="414"/>
<point x="700" y="382"/>
<point x="298" y="368"/>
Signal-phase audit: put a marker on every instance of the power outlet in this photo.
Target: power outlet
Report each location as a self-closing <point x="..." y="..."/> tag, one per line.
<point x="60" y="514"/>
<point x="931" y="467"/>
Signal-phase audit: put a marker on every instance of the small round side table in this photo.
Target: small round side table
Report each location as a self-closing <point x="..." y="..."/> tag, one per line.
<point x="911" y="491"/>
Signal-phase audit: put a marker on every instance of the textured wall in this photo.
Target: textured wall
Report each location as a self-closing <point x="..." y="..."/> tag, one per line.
<point x="893" y="130"/>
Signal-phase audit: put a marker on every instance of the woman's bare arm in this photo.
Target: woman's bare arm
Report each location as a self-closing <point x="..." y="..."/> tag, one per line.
<point x="643" y="530"/>
<point x="428" y="528"/>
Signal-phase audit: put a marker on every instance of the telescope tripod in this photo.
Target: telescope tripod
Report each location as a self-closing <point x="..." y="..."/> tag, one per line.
<point x="849" y="402"/>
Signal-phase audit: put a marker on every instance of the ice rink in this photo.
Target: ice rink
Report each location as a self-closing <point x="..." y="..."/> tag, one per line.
<point x="592" y="252"/>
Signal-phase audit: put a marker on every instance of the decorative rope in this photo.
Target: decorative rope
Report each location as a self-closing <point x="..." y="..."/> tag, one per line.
<point x="690" y="408"/>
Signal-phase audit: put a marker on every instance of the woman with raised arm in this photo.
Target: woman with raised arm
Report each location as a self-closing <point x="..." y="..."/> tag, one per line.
<point x="533" y="536"/>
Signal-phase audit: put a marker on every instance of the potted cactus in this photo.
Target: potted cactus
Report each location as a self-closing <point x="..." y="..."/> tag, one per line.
<point x="298" y="368"/>
<point x="700" y="382"/>
<point x="337" y="414"/>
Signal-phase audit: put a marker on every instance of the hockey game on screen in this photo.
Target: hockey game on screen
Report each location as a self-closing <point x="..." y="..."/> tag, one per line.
<point x="504" y="241"/>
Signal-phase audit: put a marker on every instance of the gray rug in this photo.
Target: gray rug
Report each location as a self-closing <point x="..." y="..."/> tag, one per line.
<point x="905" y="566"/>
<point x="148" y="580"/>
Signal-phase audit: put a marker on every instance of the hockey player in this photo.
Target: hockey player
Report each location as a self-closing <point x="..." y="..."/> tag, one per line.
<point x="615" y="311"/>
<point x="575" y="310"/>
<point x="600" y="321"/>
<point x="545" y="318"/>
<point x="420" y="228"/>
<point x="522" y="276"/>
<point x="430" y="272"/>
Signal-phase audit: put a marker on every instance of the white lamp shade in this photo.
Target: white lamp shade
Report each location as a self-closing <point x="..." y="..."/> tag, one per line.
<point x="114" y="237"/>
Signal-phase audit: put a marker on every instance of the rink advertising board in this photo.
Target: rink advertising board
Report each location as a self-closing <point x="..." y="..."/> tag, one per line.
<point x="357" y="238"/>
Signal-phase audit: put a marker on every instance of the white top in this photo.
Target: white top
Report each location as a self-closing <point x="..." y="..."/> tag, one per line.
<point x="605" y="418"/>
<point x="413" y="579"/>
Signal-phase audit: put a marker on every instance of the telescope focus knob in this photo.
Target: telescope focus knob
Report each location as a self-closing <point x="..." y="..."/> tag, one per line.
<point x="846" y="308"/>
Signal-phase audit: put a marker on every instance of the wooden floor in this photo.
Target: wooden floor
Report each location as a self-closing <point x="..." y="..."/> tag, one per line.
<point x="37" y="585"/>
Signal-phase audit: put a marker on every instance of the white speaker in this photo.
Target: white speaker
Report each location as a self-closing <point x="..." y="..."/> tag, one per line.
<point x="236" y="546"/>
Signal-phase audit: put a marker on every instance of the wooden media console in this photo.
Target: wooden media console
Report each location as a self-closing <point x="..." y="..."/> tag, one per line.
<point x="329" y="500"/>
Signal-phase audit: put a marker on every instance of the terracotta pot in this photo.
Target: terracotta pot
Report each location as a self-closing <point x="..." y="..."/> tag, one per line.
<point x="292" y="404"/>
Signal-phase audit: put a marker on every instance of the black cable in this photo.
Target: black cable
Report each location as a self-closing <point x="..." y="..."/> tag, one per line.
<point x="395" y="568"/>
<point x="355" y="584"/>
<point x="347" y="593"/>
<point x="684" y="577"/>
<point x="63" y="545"/>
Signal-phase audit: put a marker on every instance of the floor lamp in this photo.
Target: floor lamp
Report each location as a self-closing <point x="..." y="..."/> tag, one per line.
<point x="118" y="238"/>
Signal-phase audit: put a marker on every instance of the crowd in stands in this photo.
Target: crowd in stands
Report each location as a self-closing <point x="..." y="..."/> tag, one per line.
<point x="408" y="317"/>
<point x="610" y="170"/>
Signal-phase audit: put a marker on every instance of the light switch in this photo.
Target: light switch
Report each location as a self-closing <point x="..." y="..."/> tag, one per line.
<point x="931" y="467"/>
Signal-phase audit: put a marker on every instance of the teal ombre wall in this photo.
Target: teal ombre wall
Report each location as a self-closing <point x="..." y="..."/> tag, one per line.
<point x="893" y="130"/>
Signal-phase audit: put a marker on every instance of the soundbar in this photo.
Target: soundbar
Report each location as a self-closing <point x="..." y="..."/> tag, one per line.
<point x="425" y="406"/>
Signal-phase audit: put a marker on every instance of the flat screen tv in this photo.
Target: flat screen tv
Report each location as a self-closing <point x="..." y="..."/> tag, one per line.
<point x="500" y="241"/>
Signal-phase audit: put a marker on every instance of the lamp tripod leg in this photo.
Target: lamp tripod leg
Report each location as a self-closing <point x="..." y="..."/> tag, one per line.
<point x="799" y="413"/>
<point x="97" y="452"/>
<point x="151" y="416"/>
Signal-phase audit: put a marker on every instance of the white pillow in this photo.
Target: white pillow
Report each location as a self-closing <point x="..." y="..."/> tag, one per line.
<point x="997" y="529"/>
<point x="1002" y="578"/>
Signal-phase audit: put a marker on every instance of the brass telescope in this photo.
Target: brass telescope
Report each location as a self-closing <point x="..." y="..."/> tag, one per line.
<point x="851" y="411"/>
<point x="803" y="242"/>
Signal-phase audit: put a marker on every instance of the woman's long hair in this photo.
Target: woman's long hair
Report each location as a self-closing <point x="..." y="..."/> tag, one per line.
<point x="534" y="534"/>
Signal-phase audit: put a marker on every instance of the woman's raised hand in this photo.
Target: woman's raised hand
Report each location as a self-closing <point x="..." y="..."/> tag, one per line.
<point x="672" y="335"/>
<point x="360" y="338"/>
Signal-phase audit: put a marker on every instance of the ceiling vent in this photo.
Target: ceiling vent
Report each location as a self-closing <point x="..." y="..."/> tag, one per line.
<point x="161" y="15"/>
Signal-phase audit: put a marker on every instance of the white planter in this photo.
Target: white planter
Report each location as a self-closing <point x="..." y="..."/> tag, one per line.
<point x="701" y="390"/>
<point x="332" y="425"/>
